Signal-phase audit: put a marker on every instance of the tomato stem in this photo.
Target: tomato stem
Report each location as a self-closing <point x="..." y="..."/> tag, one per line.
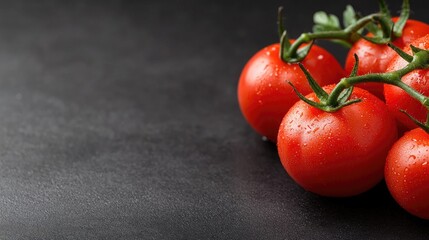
<point x="420" y="60"/>
<point x="384" y="26"/>
<point x="349" y="35"/>
<point x="339" y="96"/>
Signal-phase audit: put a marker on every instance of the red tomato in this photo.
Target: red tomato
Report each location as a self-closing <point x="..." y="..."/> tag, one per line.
<point x="407" y="172"/>
<point x="374" y="58"/>
<point x="397" y="99"/>
<point x="265" y="96"/>
<point x="337" y="154"/>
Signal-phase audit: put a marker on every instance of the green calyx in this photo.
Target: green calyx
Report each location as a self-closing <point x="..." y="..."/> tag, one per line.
<point x="325" y="103"/>
<point x="327" y="26"/>
<point x="340" y="95"/>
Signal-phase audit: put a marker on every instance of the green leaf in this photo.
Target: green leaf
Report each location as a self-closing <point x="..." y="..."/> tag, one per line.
<point x="350" y="17"/>
<point x="325" y="22"/>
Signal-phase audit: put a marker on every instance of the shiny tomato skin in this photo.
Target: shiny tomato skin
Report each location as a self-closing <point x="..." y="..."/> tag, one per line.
<point x="407" y="172"/>
<point x="397" y="99"/>
<point x="264" y="94"/>
<point x="338" y="154"/>
<point x="374" y="58"/>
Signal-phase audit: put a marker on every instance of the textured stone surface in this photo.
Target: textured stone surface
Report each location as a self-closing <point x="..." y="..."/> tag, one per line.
<point x="119" y="120"/>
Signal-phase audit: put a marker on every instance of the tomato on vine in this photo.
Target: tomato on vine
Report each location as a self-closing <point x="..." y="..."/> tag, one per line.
<point x="375" y="56"/>
<point x="407" y="172"/>
<point x="340" y="153"/>
<point x="397" y="100"/>
<point x="263" y="93"/>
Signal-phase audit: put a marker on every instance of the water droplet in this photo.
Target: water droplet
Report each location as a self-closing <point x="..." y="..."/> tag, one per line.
<point x="320" y="57"/>
<point x="425" y="163"/>
<point x="411" y="157"/>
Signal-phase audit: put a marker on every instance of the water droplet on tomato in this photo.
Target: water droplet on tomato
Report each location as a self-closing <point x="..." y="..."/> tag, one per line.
<point x="425" y="163"/>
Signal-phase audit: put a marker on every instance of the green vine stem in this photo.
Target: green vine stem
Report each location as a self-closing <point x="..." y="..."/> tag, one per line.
<point x="338" y="97"/>
<point x="419" y="60"/>
<point x="292" y="52"/>
<point x="349" y="34"/>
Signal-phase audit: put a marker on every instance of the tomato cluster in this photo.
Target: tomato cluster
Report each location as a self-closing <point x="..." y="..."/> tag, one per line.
<point x="346" y="151"/>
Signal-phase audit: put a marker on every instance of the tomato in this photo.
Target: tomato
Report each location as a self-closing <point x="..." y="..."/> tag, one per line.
<point x="397" y="99"/>
<point x="337" y="154"/>
<point x="265" y="96"/>
<point x="407" y="172"/>
<point x="374" y="58"/>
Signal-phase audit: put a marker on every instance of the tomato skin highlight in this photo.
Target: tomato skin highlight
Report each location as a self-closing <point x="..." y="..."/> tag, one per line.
<point x="337" y="154"/>
<point x="407" y="172"/>
<point x="397" y="99"/>
<point x="264" y="94"/>
<point x="375" y="58"/>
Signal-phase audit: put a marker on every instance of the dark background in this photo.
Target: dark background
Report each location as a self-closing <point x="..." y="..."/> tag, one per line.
<point x="119" y="120"/>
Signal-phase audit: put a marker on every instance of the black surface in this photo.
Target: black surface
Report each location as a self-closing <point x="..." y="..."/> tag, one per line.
<point x="119" y="120"/>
